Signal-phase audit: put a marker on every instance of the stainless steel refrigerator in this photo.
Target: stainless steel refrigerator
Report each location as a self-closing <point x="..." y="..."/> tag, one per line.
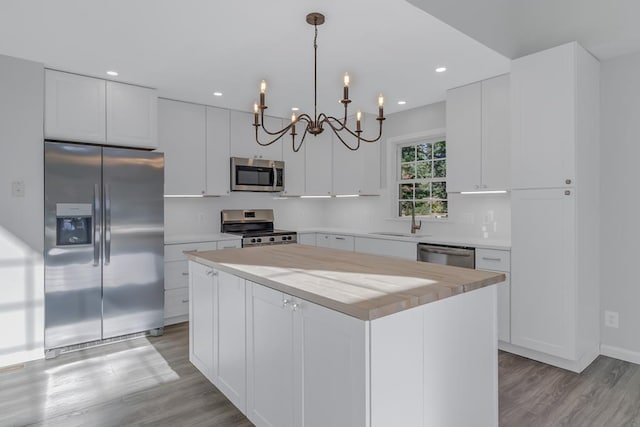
<point x="104" y="236"/>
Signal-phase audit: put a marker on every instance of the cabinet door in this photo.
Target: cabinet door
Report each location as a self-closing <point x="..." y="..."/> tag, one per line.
<point x="307" y="239"/>
<point x="201" y="303"/>
<point x="323" y="240"/>
<point x="464" y="134"/>
<point x="132" y="115"/>
<point x="543" y="118"/>
<point x="270" y="397"/>
<point x="294" y="164"/>
<point x="230" y="339"/>
<point x="391" y="248"/>
<point x="182" y="139"/>
<point x="496" y="119"/>
<point x="75" y="108"/>
<point x="243" y="137"/>
<point x="318" y="153"/>
<point x="543" y="280"/>
<point x="504" y="309"/>
<point x="217" y="147"/>
<point x="345" y="243"/>
<point x="331" y="355"/>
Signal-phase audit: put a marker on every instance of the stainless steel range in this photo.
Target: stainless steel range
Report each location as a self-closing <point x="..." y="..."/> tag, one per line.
<point x="255" y="226"/>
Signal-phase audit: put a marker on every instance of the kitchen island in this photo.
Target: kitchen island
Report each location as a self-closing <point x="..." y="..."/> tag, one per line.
<point x="296" y="335"/>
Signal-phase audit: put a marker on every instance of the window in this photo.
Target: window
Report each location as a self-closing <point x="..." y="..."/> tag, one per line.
<point x="422" y="178"/>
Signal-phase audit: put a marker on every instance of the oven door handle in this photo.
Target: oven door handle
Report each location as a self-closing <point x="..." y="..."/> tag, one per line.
<point x="275" y="177"/>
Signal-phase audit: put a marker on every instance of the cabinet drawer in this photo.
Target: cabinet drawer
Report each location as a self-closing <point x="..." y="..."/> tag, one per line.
<point x="175" y="252"/>
<point x="176" y="274"/>
<point x="228" y="244"/>
<point x="176" y="302"/>
<point x="493" y="259"/>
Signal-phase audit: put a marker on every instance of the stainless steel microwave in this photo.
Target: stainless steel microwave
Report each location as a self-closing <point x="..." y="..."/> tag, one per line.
<point x="257" y="175"/>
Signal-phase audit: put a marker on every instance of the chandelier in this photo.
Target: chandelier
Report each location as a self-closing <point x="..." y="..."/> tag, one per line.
<point x="315" y="125"/>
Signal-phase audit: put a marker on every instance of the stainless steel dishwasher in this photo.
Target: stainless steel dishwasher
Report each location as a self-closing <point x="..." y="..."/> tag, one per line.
<point x="459" y="256"/>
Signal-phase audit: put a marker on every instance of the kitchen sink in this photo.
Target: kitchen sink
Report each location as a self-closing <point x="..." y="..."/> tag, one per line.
<point x="391" y="233"/>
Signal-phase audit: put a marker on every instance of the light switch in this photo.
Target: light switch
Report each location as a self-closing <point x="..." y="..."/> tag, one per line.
<point x="17" y="188"/>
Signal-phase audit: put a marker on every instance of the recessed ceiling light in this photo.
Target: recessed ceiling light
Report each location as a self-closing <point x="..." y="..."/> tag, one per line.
<point x="112" y="73"/>
<point x="402" y="102"/>
<point x="294" y="108"/>
<point x="217" y="93"/>
<point x="441" y="69"/>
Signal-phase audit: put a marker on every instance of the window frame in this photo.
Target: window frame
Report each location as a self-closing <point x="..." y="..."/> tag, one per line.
<point x="394" y="152"/>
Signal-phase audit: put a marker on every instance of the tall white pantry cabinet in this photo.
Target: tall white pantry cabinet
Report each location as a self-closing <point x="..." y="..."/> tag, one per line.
<point x="554" y="207"/>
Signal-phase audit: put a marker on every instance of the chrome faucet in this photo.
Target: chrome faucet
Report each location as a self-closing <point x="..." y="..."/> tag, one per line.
<point x="414" y="226"/>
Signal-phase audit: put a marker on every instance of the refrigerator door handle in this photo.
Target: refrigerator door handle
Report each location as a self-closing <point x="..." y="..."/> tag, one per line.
<point x="96" y="225"/>
<point x="107" y="225"/>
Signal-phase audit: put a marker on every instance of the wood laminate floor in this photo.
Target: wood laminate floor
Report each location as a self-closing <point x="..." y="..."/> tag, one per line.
<point x="149" y="381"/>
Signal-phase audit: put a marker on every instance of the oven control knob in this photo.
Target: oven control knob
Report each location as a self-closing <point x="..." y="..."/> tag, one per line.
<point x="259" y="240"/>
<point x="288" y="237"/>
<point x="253" y="240"/>
<point x="271" y="239"/>
<point x="284" y="237"/>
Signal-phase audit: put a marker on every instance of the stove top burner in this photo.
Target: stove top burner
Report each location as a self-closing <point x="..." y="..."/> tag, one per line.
<point x="255" y="227"/>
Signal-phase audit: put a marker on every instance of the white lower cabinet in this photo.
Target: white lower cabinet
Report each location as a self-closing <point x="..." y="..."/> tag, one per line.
<point x="302" y="360"/>
<point x="307" y="239"/>
<point x="391" y="248"/>
<point x="499" y="260"/>
<point x="335" y="241"/>
<point x="217" y="345"/>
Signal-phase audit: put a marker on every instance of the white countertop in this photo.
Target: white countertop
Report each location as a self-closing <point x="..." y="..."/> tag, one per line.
<point x="197" y="238"/>
<point x="417" y="238"/>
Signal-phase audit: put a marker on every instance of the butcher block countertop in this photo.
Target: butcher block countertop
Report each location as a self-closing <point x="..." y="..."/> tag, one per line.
<point x="360" y="285"/>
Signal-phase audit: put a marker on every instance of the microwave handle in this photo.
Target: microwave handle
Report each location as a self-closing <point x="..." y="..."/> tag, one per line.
<point x="275" y="177"/>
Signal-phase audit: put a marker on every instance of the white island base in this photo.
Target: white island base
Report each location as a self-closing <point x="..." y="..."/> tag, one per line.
<point x="285" y="361"/>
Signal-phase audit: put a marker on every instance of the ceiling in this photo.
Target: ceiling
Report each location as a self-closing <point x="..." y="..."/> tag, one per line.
<point x="519" y="27"/>
<point x="190" y="48"/>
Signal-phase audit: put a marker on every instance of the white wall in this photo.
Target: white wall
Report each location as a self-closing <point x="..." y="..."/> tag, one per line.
<point x="21" y="218"/>
<point x="619" y="224"/>
<point x="202" y="215"/>
<point x="470" y="216"/>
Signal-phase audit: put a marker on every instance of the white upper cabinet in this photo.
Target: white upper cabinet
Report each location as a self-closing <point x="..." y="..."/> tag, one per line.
<point x="75" y="108"/>
<point x="86" y="109"/>
<point x="357" y="172"/>
<point x="294" y="165"/>
<point x="195" y="142"/>
<point x="318" y="152"/>
<point x="543" y="98"/>
<point x="243" y="137"/>
<point x="217" y="147"/>
<point x="132" y="115"/>
<point x="181" y="136"/>
<point x="478" y="136"/>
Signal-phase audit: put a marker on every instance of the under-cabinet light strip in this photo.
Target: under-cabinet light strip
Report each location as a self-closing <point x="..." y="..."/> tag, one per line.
<point x="484" y="192"/>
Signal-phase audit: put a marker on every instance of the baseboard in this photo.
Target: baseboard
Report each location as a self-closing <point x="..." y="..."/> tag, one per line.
<point x="620" y="353"/>
<point x="21" y="357"/>
<point x="570" y="365"/>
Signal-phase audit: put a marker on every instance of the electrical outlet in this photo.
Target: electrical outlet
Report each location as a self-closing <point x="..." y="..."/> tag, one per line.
<point x="611" y="319"/>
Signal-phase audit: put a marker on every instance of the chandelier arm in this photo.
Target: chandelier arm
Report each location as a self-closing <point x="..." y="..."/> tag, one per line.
<point x="336" y="132"/>
<point x="293" y="141"/>
<point x="279" y="134"/>
<point x="354" y="134"/>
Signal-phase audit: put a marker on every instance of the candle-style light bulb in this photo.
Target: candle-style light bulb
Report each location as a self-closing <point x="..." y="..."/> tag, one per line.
<point x="380" y="100"/>
<point x="263" y="86"/>
<point x="255" y="114"/>
<point x="380" y="109"/>
<point x="358" y="118"/>
<point x="345" y="91"/>
<point x="293" y="117"/>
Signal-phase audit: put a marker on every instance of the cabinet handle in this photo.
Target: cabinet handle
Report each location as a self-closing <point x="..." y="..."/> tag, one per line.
<point x="567" y="193"/>
<point x="340" y="238"/>
<point x="185" y="273"/>
<point x="567" y="181"/>
<point x="295" y="306"/>
<point x="285" y="303"/>
<point x="491" y="259"/>
<point x="215" y="273"/>
<point x="185" y="300"/>
<point x="228" y="247"/>
<point x="209" y="272"/>
<point x="190" y="250"/>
